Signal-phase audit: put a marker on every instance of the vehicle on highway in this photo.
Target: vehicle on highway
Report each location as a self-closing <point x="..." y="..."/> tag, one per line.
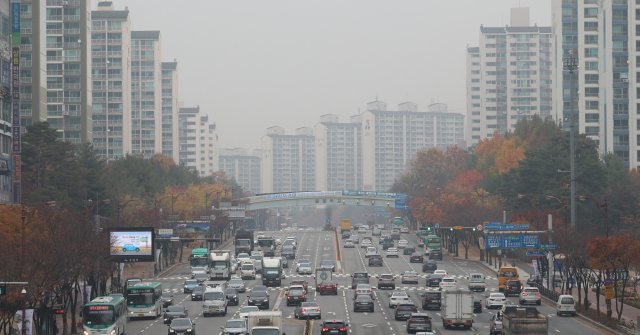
<point x="429" y="266"/>
<point x="288" y="251"/>
<point x="359" y="278"/>
<point x="334" y="327"/>
<point x="327" y="287"/>
<point x="196" y="293"/>
<point x="348" y="244"/>
<point x="365" y="244"/>
<point x="398" y="297"/>
<point x="495" y="300"/>
<point x="409" y="277"/>
<point x="200" y="277"/>
<point x="431" y="300"/>
<point x="408" y="250"/>
<point x="371" y="251"/>
<point x="448" y="283"/>
<point x="376" y="231"/>
<point x="363" y="289"/>
<point x="167" y="299"/>
<point x="214" y="302"/>
<point x="345" y="234"/>
<point x="387" y="281"/>
<point x="258" y="298"/>
<point x="355" y="239"/>
<point x="363" y="302"/>
<point x="524" y="320"/>
<point x="308" y="310"/>
<point x="392" y="252"/>
<point x="419" y="322"/>
<point x="247" y="271"/>
<point x="416" y="257"/>
<point x="257" y="263"/>
<point x="173" y="312"/>
<point x="512" y="287"/>
<point x="296" y="296"/>
<point x="404" y="230"/>
<point x="328" y="264"/>
<point x="402" y="244"/>
<point x="435" y="254"/>
<point x="302" y="283"/>
<point x="375" y="260"/>
<point x="476" y="282"/>
<point x="566" y="305"/>
<point x="238" y="284"/>
<point x="534" y="280"/>
<point x="495" y="324"/>
<point x="434" y="280"/>
<point x="244" y="311"/>
<point x="440" y="272"/>
<point x="530" y="295"/>
<point x="232" y="297"/>
<point x="506" y="273"/>
<point x="304" y="268"/>
<point x="387" y="243"/>
<point x="477" y="305"/>
<point x="105" y="315"/>
<point x="403" y="311"/>
<point x="182" y="326"/>
<point x="235" y="327"/>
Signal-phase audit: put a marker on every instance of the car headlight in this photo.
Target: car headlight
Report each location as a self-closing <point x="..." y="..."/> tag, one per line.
<point x="113" y="332"/>
<point x="86" y="333"/>
<point x="189" y="330"/>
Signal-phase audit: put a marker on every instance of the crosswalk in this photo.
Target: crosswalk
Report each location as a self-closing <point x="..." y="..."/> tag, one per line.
<point x="296" y="276"/>
<point x="340" y="288"/>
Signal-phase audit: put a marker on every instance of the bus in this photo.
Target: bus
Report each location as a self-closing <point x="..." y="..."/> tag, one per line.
<point x="506" y="273"/>
<point x="105" y="315"/>
<point x="199" y="259"/>
<point x="143" y="300"/>
<point x="432" y="242"/>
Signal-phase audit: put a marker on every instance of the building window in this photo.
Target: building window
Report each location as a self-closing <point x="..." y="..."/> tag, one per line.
<point x="591" y="39"/>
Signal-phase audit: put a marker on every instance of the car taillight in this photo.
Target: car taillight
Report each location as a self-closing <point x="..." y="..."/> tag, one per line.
<point x="524" y="294"/>
<point x="325" y="329"/>
<point x="304" y="310"/>
<point x="343" y="329"/>
<point x="289" y="297"/>
<point x="538" y="295"/>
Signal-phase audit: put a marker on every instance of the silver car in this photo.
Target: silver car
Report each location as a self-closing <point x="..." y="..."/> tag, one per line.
<point x="530" y="295"/>
<point x="409" y="277"/>
<point x="235" y="326"/>
<point x="305" y="269"/>
<point x="237" y="283"/>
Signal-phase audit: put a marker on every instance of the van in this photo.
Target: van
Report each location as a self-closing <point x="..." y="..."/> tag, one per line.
<point x="376" y="231"/>
<point x="566" y="305"/>
<point x="506" y="273"/>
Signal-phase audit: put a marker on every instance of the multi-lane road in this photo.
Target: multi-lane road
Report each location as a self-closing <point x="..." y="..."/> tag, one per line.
<point x="319" y="245"/>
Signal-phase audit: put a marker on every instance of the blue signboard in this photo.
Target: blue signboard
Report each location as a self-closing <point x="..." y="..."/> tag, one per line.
<point x="509" y="241"/>
<point x="500" y="226"/>
<point x="548" y="246"/>
<point x="536" y="252"/>
<point x="401" y="201"/>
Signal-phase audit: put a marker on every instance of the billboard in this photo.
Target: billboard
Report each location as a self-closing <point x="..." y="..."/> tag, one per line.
<point x="131" y="244"/>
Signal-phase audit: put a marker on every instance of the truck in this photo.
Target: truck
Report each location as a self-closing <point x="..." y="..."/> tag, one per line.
<point x="457" y="309"/>
<point x="265" y="323"/>
<point x="476" y="282"/>
<point x="243" y="241"/>
<point x="267" y="245"/>
<point x="345" y="225"/>
<point x="220" y="264"/>
<point x="524" y="320"/>
<point x="272" y="271"/>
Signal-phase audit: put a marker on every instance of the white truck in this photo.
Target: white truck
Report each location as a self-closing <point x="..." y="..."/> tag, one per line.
<point x="220" y="264"/>
<point x="476" y="282"/>
<point x="265" y="323"/>
<point x="457" y="309"/>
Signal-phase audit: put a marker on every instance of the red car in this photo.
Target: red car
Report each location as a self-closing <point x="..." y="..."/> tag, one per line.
<point x="328" y="287"/>
<point x="416" y="257"/>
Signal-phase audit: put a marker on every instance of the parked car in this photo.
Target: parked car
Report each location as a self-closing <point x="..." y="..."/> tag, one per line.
<point x="334" y="327"/>
<point x="530" y="295"/>
<point x="375" y="260"/>
<point x="429" y="266"/>
<point x="416" y="257"/>
<point x="363" y="302"/>
<point x="182" y="326"/>
<point x="173" y="312"/>
<point x="403" y="311"/>
<point x="308" y="310"/>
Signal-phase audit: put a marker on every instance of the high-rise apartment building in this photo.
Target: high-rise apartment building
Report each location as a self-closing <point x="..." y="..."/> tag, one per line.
<point x="509" y="76"/>
<point x="602" y="93"/>
<point x="208" y="151"/>
<point x="288" y="161"/>
<point x="244" y="168"/>
<point x="111" y="81"/>
<point x="33" y="64"/>
<point x="5" y="104"/>
<point x="170" y="109"/>
<point x="189" y="136"/>
<point x="338" y="154"/>
<point x="390" y="139"/>
<point x="146" y="102"/>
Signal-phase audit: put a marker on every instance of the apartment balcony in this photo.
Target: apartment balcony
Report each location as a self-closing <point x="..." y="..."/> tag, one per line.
<point x="26" y="96"/>
<point x="72" y="18"/>
<point x="53" y="58"/>
<point x="54" y="18"/>
<point x="26" y="47"/>
<point x="72" y="58"/>
<point x="54" y="45"/>
<point x="26" y="31"/>
<point x="74" y="31"/>
<point x="52" y="31"/>
<point x="26" y="15"/>
<point x="69" y="86"/>
<point x="26" y="63"/>
<point x="55" y="100"/>
<point x="54" y="86"/>
<point x="55" y="3"/>
<point x="73" y="45"/>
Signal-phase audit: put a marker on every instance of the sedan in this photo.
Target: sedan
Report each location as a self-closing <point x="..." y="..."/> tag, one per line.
<point x="429" y="266"/>
<point x="434" y="280"/>
<point x="238" y="284"/>
<point x="404" y="230"/>
<point x="392" y="252"/>
<point x="259" y="298"/>
<point x="448" y="283"/>
<point x="189" y="285"/>
<point x="387" y="281"/>
<point x="409" y="276"/>
<point x="328" y="264"/>
<point x="235" y="326"/>
<point x="334" y="327"/>
<point x="308" y="310"/>
<point x="403" y="244"/>
<point x="416" y="257"/>
<point x="328" y="287"/>
<point x="363" y="302"/>
<point x="244" y="311"/>
<point x="182" y="325"/>
<point x="530" y="295"/>
<point x="348" y="244"/>
<point x="174" y="312"/>
<point x="304" y="269"/>
<point x="167" y="299"/>
<point x="365" y="244"/>
<point x="397" y="298"/>
<point x="232" y="297"/>
<point x="495" y="300"/>
<point x="197" y="293"/>
<point x="295" y="297"/>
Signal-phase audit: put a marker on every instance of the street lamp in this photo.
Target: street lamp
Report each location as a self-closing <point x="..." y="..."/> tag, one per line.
<point x="570" y="63"/>
<point x="601" y="205"/>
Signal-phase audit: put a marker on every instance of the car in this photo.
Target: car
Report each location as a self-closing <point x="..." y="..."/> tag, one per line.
<point x="365" y="244"/>
<point x="477" y="305"/>
<point x="435" y="254"/>
<point x="296" y="296"/>
<point x="404" y="230"/>
<point x="301" y="261"/>
<point x="327" y="287"/>
<point x="363" y="289"/>
<point x="448" y="283"/>
<point x="495" y="300"/>
<point x="566" y="305"/>
<point x="495" y="325"/>
<point x="235" y="326"/>
<point x="242" y="256"/>
<point x="328" y="264"/>
<point x="416" y="257"/>
<point x="182" y="326"/>
<point x="346" y="234"/>
<point x="403" y="311"/>
<point x="363" y="302"/>
<point x="419" y="322"/>
<point x="512" y="287"/>
<point x="392" y="252"/>
<point x="130" y="248"/>
<point x="173" y="312"/>
<point x="247" y="270"/>
<point x="387" y="281"/>
<point x="387" y="243"/>
<point x="534" y="280"/>
<point x="237" y="283"/>
<point x="434" y="280"/>
<point x="201" y="277"/>
<point x="308" y="310"/>
<point x="189" y="285"/>
<point x="245" y="310"/>
<point x="304" y="269"/>
<point x="261" y="288"/>
<point x="530" y="295"/>
<point x="302" y="283"/>
<point x="232" y="297"/>
<point x="402" y="244"/>
<point x="355" y="239"/>
<point x="440" y="272"/>
<point x="408" y="250"/>
<point x="375" y="260"/>
<point x="285" y="262"/>
<point x="429" y="266"/>
<point x="334" y="327"/>
<point x="371" y="251"/>
<point x="398" y="297"/>
<point x="167" y="299"/>
<point x="258" y="298"/>
<point x="431" y="300"/>
<point x="409" y="276"/>
<point x="359" y="278"/>
<point x="348" y="244"/>
<point x="197" y="293"/>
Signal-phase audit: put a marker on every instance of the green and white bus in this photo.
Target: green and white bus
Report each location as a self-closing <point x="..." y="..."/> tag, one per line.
<point x="105" y="315"/>
<point x="199" y="259"/>
<point x="143" y="300"/>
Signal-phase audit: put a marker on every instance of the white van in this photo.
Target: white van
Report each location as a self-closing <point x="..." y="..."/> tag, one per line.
<point x="566" y="305"/>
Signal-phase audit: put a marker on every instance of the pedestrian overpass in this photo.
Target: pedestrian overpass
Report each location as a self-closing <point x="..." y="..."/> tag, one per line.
<point x="343" y="198"/>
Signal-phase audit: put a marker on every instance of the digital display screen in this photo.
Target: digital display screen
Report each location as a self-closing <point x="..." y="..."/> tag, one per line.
<point x="99" y="308"/>
<point x="132" y="244"/>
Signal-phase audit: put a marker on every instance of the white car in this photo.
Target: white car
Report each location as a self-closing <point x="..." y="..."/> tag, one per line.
<point x="404" y="230"/>
<point x="403" y="244"/>
<point x="304" y="269"/>
<point x="397" y="298"/>
<point x="244" y="311"/>
<point x="440" y="272"/>
<point x="370" y="251"/>
<point x="348" y="244"/>
<point x="409" y="276"/>
<point x="495" y="300"/>
<point x="301" y="261"/>
<point x="392" y="252"/>
<point x="448" y="283"/>
<point x="365" y="244"/>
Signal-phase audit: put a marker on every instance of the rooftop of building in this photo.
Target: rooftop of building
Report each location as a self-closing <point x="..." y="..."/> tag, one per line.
<point x="509" y="29"/>
<point x="146" y="34"/>
<point x="169" y="65"/>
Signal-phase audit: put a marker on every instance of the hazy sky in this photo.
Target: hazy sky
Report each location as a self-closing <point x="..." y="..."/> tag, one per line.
<point x="252" y="64"/>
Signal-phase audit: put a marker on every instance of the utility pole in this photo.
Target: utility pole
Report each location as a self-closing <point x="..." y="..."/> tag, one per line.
<point x="571" y="65"/>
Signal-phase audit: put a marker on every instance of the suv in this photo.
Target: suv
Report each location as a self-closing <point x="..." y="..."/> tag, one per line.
<point x="432" y="300"/>
<point x="359" y="278"/>
<point x="435" y="254"/>
<point x="215" y="302"/>
<point x="403" y="311"/>
<point x="387" y="281"/>
<point x="375" y="260"/>
<point x="495" y="325"/>
<point x="331" y="327"/>
<point x="419" y="322"/>
<point x="530" y="295"/>
<point x="429" y="266"/>
<point x="512" y="287"/>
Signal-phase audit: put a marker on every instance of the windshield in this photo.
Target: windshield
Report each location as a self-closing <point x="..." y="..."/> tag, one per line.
<point x="236" y="281"/>
<point x="247" y="267"/>
<point x="219" y="265"/>
<point x="243" y="243"/>
<point x="259" y="294"/>
<point x="214" y="296"/>
<point x="180" y="323"/>
<point x="360" y="275"/>
<point x="140" y="299"/>
<point x="508" y="273"/>
<point x="247" y="309"/>
<point x="235" y="324"/>
<point x="175" y="309"/>
<point x="191" y="282"/>
<point x="94" y="318"/>
<point x="265" y="332"/>
<point x="265" y="242"/>
<point x="272" y="272"/>
<point x="198" y="261"/>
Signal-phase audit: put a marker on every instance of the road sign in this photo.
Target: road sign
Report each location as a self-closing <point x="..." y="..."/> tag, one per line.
<point x="165" y="232"/>
<point x="510" y="226"/>
<point x="479" y="227"/>
<point x="608" y="292"/>
<point x="512" y="241"/>
<point x="548" y="246"/>
<point x="457" y="227"/>
<point x="535" y="253"/>
<point x="436" y="226"/>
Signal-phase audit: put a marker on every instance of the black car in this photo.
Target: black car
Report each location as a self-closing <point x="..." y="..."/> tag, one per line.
<point x="174" y="312"/>
<point x="295" y="297"/>
<point x="346" y="234"/>
<point x="408" y="250"/>
<point x="167" y="299"/>
<point x="432" y="300"/>
<point x="434" y="280"/>
<point x="285" y="262"/>
<point x="197" y="293"/>
<point x="403" y="311"/>
<point x="512" y="287"/>
<point x="232" y="297"/>
<point x="477" y="306"/>
<point x="258" y="298"/>
<point x="435" y="254"/>
<point x="375" y="260"/>
<point x="363" y="302"/>
<point x="418" y="322"/>
<point x="182" y="326"/>
<point x="416" y="257"/>
<point x="429" y="266"/>
<point x="334" y="327"/>
<point x="328" y="264"/>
